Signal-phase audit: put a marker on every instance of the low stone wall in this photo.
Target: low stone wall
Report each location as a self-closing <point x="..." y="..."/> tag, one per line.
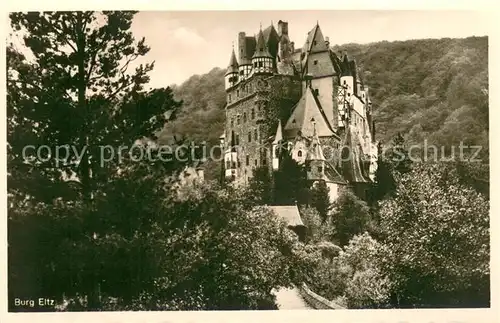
<point x="316" y="301"/>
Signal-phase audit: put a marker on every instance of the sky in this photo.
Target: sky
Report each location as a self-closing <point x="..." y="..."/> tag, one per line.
<point x="184" y="43"/>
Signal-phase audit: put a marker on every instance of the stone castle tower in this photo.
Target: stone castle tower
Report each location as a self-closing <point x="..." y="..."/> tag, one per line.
<point x="306" y="100"/>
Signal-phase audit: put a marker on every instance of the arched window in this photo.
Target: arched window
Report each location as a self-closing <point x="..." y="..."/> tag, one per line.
<point x="255" y="135"/>
<point x="228" y="164"/>
<point x="253" y="114"/>
<point x="245" y="117"/>
<point x="299" y="153"/>
<point x="250" y="136"/>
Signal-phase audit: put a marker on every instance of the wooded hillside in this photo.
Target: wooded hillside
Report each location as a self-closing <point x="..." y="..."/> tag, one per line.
<point x="429" y="89"/>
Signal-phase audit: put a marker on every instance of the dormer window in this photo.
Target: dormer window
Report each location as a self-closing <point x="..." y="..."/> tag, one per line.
<point x="241" y="72"/>
<point x="244" y="117"/>
<point x="314" y="43"/>
<point x="315" y="62"/>
<point x="299" y="153"/>
<point x="320" y="169"/>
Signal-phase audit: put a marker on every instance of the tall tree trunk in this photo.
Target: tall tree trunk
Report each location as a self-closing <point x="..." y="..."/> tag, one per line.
<point x="94" y="290"/>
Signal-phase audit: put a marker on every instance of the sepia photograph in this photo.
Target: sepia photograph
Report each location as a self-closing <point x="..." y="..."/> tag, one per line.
<point x="247" y="160"/>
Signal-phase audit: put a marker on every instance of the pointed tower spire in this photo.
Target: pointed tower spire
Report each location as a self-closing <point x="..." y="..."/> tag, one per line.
<point x="315" y="153"/>
<point x="261" y="49"/>
<point x="279" y="134"/>
<point x="233" y="63"/>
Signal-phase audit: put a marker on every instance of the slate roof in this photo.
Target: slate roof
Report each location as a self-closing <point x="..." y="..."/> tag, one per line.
<point x="306" y="112"/>
<point x="233" y="64"/>
<point x="289" y="213"/>
<point x="262" y="49"/>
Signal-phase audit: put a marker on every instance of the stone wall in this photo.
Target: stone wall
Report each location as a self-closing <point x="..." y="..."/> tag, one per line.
<point x="316" y="301"/>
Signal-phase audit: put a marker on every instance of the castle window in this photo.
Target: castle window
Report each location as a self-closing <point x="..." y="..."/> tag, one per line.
<point x="299" y="153"/>
<point x="316" y="92"/>
<point x="244" y="117"/>
<point x="228" y="164"/>
<point x="229" y="97"/>
<point x="320" y="169"/>
<point x="232" y="122"/>
<point x="248" y="160"/>
<point x="250" y="136"/>
<point x="255" y="135"/>
<point x="315" y="42"/>
<point x="233" y="165"/>
<point x="315" y="62"/>
<point x="260" y="64"/>
<point x="255" y="64"/>
<point x="237" y="140"/>
<point x="253" y="114"/>
<point x="238" y="93"/>
<point x="264" y="161"/>
<point x="242" y="72"/>
<point x="313" y="120"/>
<point x="239" y="164"/>
<point x="256" y="162"/>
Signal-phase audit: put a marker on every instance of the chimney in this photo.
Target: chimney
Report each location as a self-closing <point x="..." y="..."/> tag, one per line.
<point x="282" y="28"/>
<point x="327" y="41"/>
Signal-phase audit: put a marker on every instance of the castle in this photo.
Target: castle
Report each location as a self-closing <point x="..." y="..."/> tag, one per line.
<point x="306" y="101"/>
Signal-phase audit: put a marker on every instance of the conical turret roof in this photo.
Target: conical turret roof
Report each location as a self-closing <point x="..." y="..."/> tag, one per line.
<point x="233" y="64"/>
<point x="315" y="153"/>
<point x="261" y="49"/>
<point x="279" y="134"/>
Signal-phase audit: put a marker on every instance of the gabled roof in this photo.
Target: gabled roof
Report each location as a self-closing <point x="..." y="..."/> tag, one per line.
<point x="315" y="43"/>
<point x="307" y="111"/>
<point x="289" y="213"/>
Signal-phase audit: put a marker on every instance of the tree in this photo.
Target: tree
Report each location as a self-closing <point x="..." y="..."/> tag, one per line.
<point x="220" y="252"/>
<point x="354" y="277"/>
<point x="76" y="93"/>
<point x="291" y="184"/>
<point x="350" y="217"/>
<point x="320" y="199"/>
<point x="260" y="186"/>
<point x="437" y="232"/>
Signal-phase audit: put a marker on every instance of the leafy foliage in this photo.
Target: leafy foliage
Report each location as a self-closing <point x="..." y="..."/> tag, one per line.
<point x="437" y="232"/>
<point x="355" y="276"/>
<point x="351" y="216"/>
<point x="320" y="199"/>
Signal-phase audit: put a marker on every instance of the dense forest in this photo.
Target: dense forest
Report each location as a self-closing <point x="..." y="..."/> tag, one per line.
<point x="428" y="89"/>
